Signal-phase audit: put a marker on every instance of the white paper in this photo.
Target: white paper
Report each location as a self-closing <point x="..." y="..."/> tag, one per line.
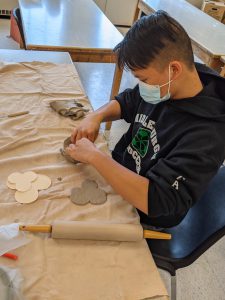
<point x="11" y="238"/>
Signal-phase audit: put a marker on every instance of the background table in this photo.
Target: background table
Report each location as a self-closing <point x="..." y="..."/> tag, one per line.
<point x="206" y="33"/>
<point x="28" y="56"/>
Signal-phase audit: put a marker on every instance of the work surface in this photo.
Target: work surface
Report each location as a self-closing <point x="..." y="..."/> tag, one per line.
<point x="67" y="24"/>
<point x="63" y="269"/>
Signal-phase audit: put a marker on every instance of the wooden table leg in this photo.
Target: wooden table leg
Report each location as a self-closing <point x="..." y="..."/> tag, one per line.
<point x="222" y="73"/>
<point x="216" y="64"/>
<point x="115" y="89"/>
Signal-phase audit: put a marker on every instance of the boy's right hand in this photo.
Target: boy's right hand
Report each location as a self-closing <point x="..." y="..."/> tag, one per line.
<point x="88" y="128"/>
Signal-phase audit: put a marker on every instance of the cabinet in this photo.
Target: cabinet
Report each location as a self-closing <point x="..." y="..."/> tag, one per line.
<point x="197" y="3"/>
<point x="119" y="12"/>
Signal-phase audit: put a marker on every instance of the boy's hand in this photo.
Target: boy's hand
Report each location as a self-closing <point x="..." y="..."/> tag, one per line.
<point x="88" y="128"/>
<point x="84" y="150"/>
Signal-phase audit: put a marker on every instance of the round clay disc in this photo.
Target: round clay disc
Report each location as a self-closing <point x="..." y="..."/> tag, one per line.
<point x="42" y="182"/>
<point x="13" y="177"/>
<point x="89" y="192"/>
<point x="89" y="184"/>
<point x="98" y="197"/>
<point x="22" y="184"/>
<point x="79" y="196"/>
<point x="31" y="176"/>
<point x="11" y="185"/>
<point x="26" y="197"/>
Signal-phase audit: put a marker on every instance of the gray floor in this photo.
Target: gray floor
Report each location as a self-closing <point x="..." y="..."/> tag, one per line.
<point x="204" y="279"/>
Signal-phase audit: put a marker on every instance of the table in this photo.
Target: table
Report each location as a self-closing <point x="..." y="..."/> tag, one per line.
<point x="29" y="56"/>
<point x="61" y="269"/>
<point x="78" y="27"/>
<point x="206" y="33"/>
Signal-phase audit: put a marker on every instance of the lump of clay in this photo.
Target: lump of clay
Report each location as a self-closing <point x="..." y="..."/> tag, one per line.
<point x="69" y="108"/>
<point x="89" y="192"/>
<point x="66" y="144"/>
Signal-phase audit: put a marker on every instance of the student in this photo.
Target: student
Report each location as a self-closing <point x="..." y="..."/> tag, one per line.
<point x="176" y="140"/>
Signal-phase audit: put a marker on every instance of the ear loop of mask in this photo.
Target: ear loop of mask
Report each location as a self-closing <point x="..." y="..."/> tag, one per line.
<point x="168" y="91"/>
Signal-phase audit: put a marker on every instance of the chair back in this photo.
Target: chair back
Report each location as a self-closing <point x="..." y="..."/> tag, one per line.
<point x="203" y="225"/>
<point x="17" y="17"/>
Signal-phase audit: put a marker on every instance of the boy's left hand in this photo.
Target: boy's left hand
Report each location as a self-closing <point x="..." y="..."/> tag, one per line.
<point x="82" y="151"/>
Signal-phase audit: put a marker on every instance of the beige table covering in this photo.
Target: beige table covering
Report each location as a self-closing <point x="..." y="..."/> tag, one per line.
<point x="63" y="269"/>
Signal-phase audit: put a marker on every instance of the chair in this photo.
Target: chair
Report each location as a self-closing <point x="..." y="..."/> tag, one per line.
<point x="17" y="17"/>
<point x="202" y="227"/>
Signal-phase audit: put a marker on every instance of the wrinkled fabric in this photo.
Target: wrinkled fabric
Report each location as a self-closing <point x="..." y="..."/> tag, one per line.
<point x="63" y="269"/>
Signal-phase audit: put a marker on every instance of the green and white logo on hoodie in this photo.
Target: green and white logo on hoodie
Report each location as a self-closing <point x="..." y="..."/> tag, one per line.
<point x="144" y="138"/>
<point x="140" y="141"/>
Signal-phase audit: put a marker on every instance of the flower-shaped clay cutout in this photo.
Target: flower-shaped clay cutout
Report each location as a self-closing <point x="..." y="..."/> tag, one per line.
<point x="26" y="197"/>
<point x="21" y="181"/>
<point x="12" y="178"/>
<point x="27" y="185"/>
<point x="89" y="192"/>
<point x="42" y="182"/>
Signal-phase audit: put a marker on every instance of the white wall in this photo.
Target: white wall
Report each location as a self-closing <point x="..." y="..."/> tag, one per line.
<point x="119" y="12"/>
<point x="8" y="4"/>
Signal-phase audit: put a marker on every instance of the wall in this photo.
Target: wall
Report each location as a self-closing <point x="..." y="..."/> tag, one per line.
<point x="119" y="12"/>
<point x="7" y="5"/>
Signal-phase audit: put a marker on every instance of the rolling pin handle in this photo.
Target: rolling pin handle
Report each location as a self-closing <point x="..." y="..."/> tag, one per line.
<point x="36" y="228"/>
<point x="150" y="234"/>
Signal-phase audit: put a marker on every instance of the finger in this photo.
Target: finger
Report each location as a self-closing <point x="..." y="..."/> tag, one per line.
<point x="91" y="137"/>
<point x="95" y="136"/>
<point x="73" y="135"/>
<point x="78" y="136"/>
<point x="84" y="134"/>
<point x="70" y="150"/>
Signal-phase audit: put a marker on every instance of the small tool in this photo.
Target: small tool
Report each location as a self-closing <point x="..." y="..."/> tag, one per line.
<point x="10" y="256"/>
<point x="14" y="114"/>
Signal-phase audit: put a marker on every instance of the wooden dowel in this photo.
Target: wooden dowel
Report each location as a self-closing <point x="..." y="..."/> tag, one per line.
<point x="36" y="228"/>
<point x="149" y="234"/>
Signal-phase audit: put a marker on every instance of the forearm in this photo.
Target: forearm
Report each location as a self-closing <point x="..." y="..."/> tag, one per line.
<point x="131" y="186"/>
<point x="108" y="112"/>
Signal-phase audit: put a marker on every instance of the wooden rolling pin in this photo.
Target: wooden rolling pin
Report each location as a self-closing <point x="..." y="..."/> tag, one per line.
<point x="96" y="231"/>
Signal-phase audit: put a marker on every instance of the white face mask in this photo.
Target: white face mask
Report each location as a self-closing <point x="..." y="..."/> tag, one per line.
<point x="151" y="93"/>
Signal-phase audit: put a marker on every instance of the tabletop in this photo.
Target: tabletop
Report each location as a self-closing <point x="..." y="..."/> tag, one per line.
<point x="51" y="268"/>
<point x="29" y="56"/>
<point x="207" y="32"/>
<point x="67" y="24"/>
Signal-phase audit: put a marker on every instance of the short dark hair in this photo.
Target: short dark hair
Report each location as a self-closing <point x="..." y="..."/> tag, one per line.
<point x="155" y="38"/>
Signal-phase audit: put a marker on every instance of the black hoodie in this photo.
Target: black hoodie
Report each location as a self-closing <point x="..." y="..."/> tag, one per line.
<point x="177" y="144"/>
